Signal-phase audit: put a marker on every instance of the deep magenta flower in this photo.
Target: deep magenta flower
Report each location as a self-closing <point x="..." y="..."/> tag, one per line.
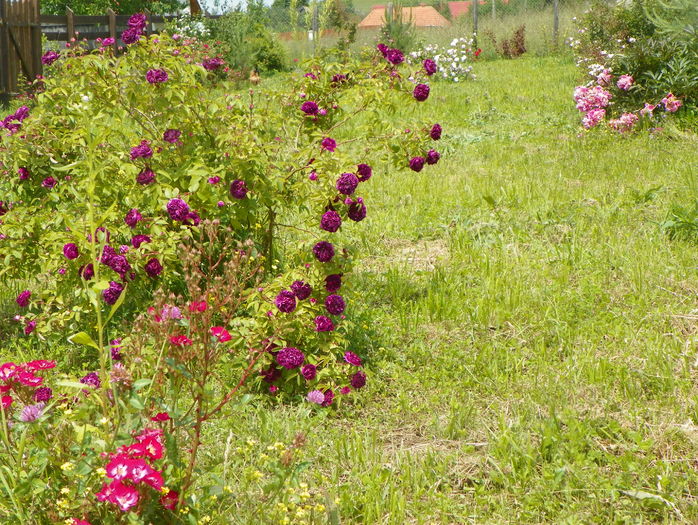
<point x="211" y="64"/>
<point x="133" y="217"/>
<point x="145" y="177"/>
<point x="49" y="57"/>
<point x="430" y="67"/>
<point x="310" y="107"/>
<point x="323" y="251"/>
<point x="394" y="56"/>
<point x="363" y="172"/>
<point x="417" y="163"/>
<point x="290" y="358"/>
<point x="358" y="380"/>
<point x="286" y="301"/>
<point x="23" y="298"/>
<point x="142" y="151"/>
<point x="352" y="358"/>
<point x="331" y="221"/>
<point x="238" y="189"/>
<point x="337" y="79"/>
<point x="23" y="173"/>
<point x="87" y="272"/>
<point x="329" y="397"/>
<point x="153" y="267"/>
<point x="357" y="210"/>
<point x="112" y="294"/>
<point x="221" y="334"/>
<point x="171" y="136"/>
<point x="301" y="290"/>
<point x="335" y="304"/>
<point x="91" y="379"/>
<point x="156" y="76"/>
<point x="178" y="210"/>
<point x="49" y="182"/>
<point x="131" y="36"/>
<point x="119" y="264"/>
<point x="383" y="49"/>
<point x="333" y="282"/>
<point x="435" y="132"/>
<point x="71" y="251"/>
<point x="323" y="324"/>
<point x="329" y="144"/>
<point x="347" y="183"/>
<point x="433" y="156"/>
<point x="421" y="92"/>
<point x="43" y="393"/>
<point x="309" y="372"/>
<point x="137" y="240"/>
<point x="138" y="21"/>
<point x="29" y="327"/>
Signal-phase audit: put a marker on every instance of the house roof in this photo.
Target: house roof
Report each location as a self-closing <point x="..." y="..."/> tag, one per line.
<point x="421" y="16"/>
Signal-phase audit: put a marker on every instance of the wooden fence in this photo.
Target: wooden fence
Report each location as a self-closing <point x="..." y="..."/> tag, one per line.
<point x="20" y="42"/>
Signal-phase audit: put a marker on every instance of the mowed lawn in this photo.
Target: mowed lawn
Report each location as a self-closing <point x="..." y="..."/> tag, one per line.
<point x="529" y="329"/>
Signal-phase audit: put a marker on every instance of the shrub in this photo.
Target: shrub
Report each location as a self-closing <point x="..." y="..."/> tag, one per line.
<point x="453" y="62"/>
<point x="510" y="47"/>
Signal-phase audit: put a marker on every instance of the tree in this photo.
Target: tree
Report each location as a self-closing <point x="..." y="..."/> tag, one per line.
<point x="99" y="7"/>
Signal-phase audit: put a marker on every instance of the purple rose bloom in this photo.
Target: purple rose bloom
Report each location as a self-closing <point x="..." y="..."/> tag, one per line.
<point x="171" y="135"/>
<point x="383" y="49"/>
<point x="417" y="163"/>
<point x="91" y="379"/>
<point x="271" y="374"/>
<point x="142" y="151"/>
<point x="43" y="393"/>
<point x="316" y="397"/>
<point x="290" y="358"/>
<point x="23" y="298"/>
<point x="132" y="218"/>
<point x="49" y="57"/>
<point x="323" y="324"/>
<point x="137" y="21"/>
<point x="137" y="240"/>
<point x="435" y="132"/>
<point x="357" y="211"/>
<point x="21" y="113"/>
<point x="301" y="290"/>
<point x="333" y="282"/>
<point x="335" y="304"/>
<point x="116" y="349"/>
<point x="421" y="92"/>
<point x="309" y="107"/>
<point x="329" y="397"/>
<point x="178" y="209"/>
<point x="145" y="177"/>
<point x="71" y="251"/>
<point x="433" y="156"/>
<point x="352" y="358"/>
<point x="358" y="380"/>
<point x="214" y="180"/>
<point x="119" y="264"/>
<point x="111" y="294"/>
<point x="238" y="189"/>
<point x="285" y="301"/>
<point x="430" y="67"/>
<point x="394" y="56"/>
<point x="153" y="267"/>
<point x="339" y="78"/>
<point x="30" y="327"/>
<point x="23" y="173"/>
<point x="309" y="372"/>
<point x="156" y="76"/>
<point x="364" y="172"/>
<point x="108" y="42"/>
<point x="347" y="183"/>
<point x="131" y="36"/>
<point x="49" y="182"/>
<point x="87" y="272"/>
<point x="329" y="144"/>
<point x="31" y="412"/>
<point x="323" y="251"/>
<point x="211" y="64"/>
<point x="331" y="221"/>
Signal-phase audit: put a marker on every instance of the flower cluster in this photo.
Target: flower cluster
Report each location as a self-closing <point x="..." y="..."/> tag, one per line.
<point x="136" y="27"/>
<point x="452" y="62"/>
<point x="13" y="122"/>
<point x="22" y="381"/>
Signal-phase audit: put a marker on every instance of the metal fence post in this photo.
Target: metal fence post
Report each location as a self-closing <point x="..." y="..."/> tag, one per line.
<point x="475" y="4"/>
<point x="494" y="10"/>
<point x="556" y="22"/>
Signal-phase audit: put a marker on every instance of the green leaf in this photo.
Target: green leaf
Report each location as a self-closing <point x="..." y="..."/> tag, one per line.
<point x="136" y="402"/>
<point x="141" y="383"/>
<point x="83" y="338"/>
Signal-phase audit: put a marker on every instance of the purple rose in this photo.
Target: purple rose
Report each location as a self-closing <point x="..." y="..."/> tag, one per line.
<point x="347" y="183"/>
<point x="23" y="298"/>
<point x="323" y="324"/>
<point x="112" y="294"/>
<point x="49" y="182"/>
<point x="383" y="49"/>
<point x="71" y="251"/>
<point x="238" y="189"/>
<point x="421" y="92"/>
<point x="131" y="36"/>
<point x="331" y="221"/>
<point x="132" y="218"/>
<point x="358" y="380"/>
<point x="335" y="304"/>
<point x="310" y="108"/>
<point x="156" y="76"/>
<point x="178" y="210"/>
<point x="394" y="56"/>
<point x="49" y="58"/>
<point x="211" y="64"/>
<point x="435" y="132"/>
<point x="119" y="264"/>
<point x="43" y="393"/>
<point x="142" y="151"/>
<point x="153" y="267"/>
<point x="290" y="358"/>
<point x="339" y="78"/>
<point x="91" y="379"/>
<point x="357" y="210"/>
<point x="329" y="397"/>
<point x="333" y="282"/>
<point x="137" y="240"/>
<point x="309" y="372"/>
<point x="433" y="156"/>
<point x="145" y="177"/>
<point x="329" y="144"/>
<point x="430" y="66"/>
<point x="171" y="135"/>
<point x="301" y="290"/>
<point x="23" y="173"/>
<point x="286" y="301"/>
<point x="29" y="327"/>
<point x="87" y="272"/>
<point x="137" y="21"/>
<point x="364" y="172"/>
<point x="323" y="251"/>
<point x="417" y="163"/>
<point x="352" y="358"/>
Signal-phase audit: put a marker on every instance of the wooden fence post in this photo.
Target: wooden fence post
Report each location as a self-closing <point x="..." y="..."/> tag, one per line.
<point x="147" y="22"/>
<point x="36" y="49"/>
<point x="70" y="22"/>
<point x="112" y="28"/>
<point x="4" y="56"/>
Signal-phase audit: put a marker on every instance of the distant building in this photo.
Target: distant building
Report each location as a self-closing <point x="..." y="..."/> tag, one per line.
<point x="420" y="16"/>
<point x="463" y="8"/>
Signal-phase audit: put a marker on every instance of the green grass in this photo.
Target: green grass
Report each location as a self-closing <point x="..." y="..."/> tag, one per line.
<point x="531" y="344"/>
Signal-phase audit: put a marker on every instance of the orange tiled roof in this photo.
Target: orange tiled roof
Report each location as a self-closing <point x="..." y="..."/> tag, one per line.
<point x="421" y="16"/>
